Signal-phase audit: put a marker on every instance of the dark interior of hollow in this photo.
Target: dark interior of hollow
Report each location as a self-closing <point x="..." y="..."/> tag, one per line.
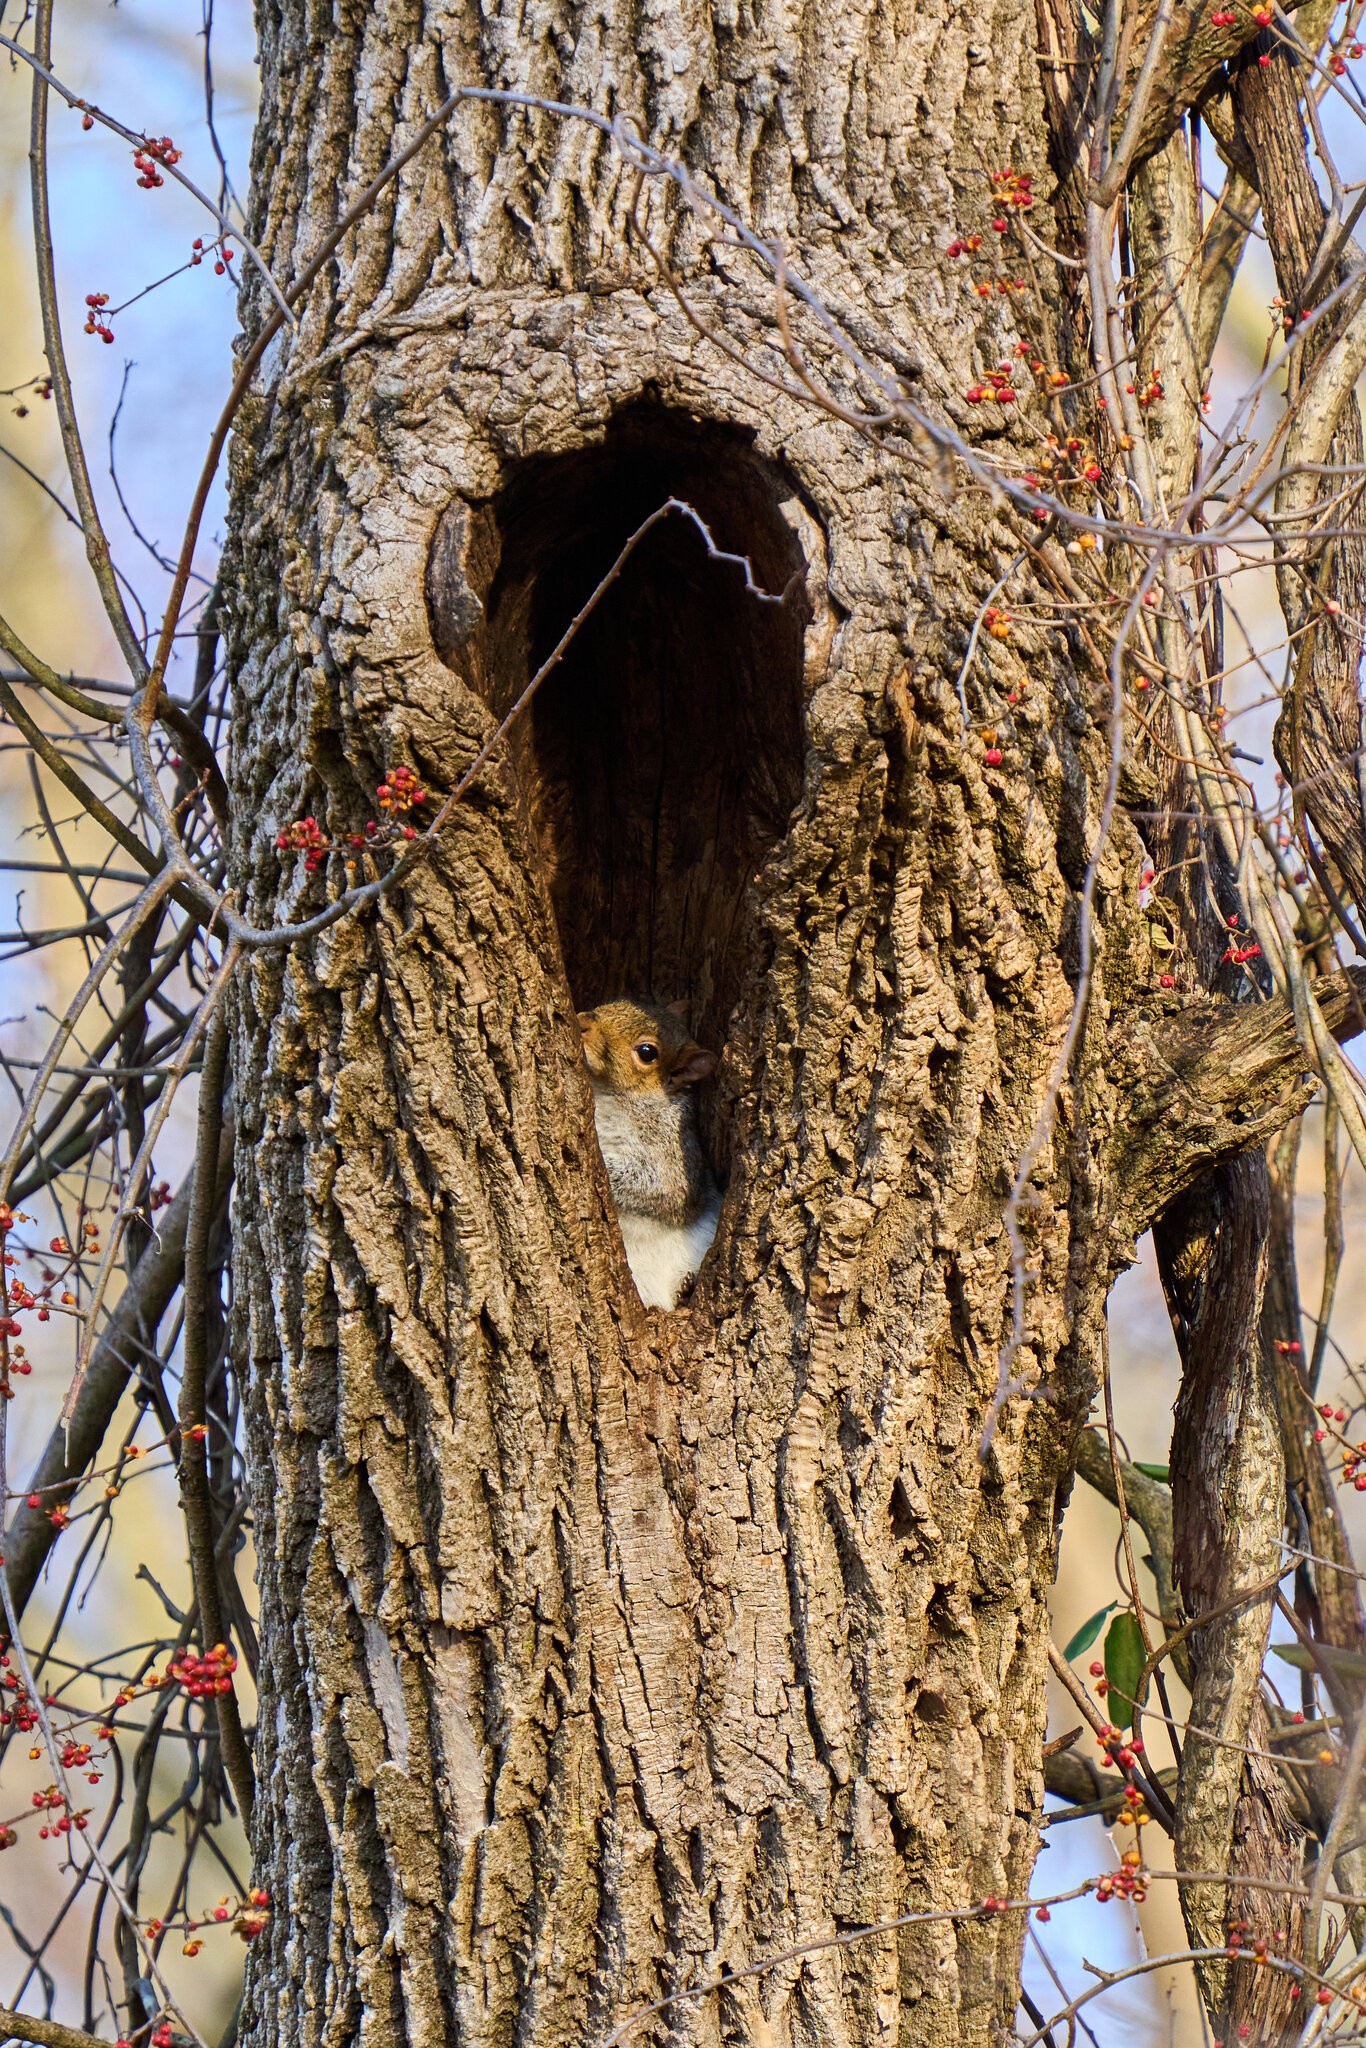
<point x="662" y="759"/>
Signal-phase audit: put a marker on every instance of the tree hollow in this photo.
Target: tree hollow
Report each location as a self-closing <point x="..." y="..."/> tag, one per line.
<point x="660" y="761"/>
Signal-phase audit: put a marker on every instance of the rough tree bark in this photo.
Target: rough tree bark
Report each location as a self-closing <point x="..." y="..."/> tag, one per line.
<point x="602" y="1650"/>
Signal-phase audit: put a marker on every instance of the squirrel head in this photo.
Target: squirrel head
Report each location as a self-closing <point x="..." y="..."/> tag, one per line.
<point x="642" y="1049"/>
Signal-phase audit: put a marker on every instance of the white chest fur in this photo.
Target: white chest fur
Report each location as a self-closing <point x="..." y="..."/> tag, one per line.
<point x="665" y="1198"/>
<point x="663" y="1255"/>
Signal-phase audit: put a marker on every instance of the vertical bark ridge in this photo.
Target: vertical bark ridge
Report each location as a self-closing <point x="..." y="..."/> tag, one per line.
<point x="1318" y="735"/>
<point x="1228" y="1494"/>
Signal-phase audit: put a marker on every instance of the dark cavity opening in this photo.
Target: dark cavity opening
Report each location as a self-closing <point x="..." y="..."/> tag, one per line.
<point x="662" y="759"/>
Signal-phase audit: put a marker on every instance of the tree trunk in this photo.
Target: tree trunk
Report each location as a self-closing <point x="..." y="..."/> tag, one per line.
<point x="606" y="1651"/>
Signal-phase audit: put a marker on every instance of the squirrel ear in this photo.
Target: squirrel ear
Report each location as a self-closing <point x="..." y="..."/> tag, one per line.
<point x="585" y="1021"/>
<point x="680" y="1008"/>
<point x="694" y="1063"/>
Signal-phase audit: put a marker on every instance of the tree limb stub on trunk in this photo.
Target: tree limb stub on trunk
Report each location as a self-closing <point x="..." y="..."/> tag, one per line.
<point x="1211" y="1081"/>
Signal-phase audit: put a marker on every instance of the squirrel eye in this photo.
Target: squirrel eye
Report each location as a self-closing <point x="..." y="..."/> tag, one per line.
<point x="646" y="1053"/>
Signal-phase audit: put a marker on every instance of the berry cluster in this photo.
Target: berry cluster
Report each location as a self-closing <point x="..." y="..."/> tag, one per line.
<point x="203" y="1677"/>
<point x="305" y="836"/>
<point x="1111" y="1739"/>
<point x="401" y="791"/>
<point x="16" y="1297"/>
<point x="969" y="245"/>
<point x="254" y="1917"/>
<point x="94" y="322"/>
<point x="51" y="1800"/>
<point x="222" y="260"/>
<point x="249" y="1917"/>
<point x="1259" y="1946"/>
<point x="1000" y="385"/>
<point x="1352" y="1473"/>
<point x="1012" y="189"/>
<point x="155" y="150"/>
<point x="1135" y="1814"/>
<point x="1063" y="465"/>
<point x="41" y="387"/>
<point x="22" y="1713"/>
<point x="1353" y="1454"/>
<point x="1150" y="393"/>
<point x="1326" y="1410"/>
<point x="59" y="1516"/>
<point x="1130" y="1881"/>
<point x="1239" y="947"/>
<point x="78" y="1756"/>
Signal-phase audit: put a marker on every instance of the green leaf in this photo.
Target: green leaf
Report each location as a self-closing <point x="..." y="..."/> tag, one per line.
<point x="1162" y="1472"/>
<point x="1087" y="1633"/>
<point x="1125" y="1658"/>
<point x="1351" y="1663"/>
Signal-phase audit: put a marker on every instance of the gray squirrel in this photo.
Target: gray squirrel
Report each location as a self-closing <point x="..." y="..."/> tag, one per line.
<point x="644" y="1066"/>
